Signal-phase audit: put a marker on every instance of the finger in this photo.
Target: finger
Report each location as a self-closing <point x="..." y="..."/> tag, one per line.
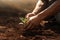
<point x="27" y="16"/>
<point x="29" y="26"/>
<point x="36" y="25"/>
<point x="33" y="26"/>
<point x="26" y="26"/>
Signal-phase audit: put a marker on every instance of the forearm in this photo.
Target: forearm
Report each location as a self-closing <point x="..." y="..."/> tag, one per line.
<point x="39" y="7"/>
<point x="50" y="10"/>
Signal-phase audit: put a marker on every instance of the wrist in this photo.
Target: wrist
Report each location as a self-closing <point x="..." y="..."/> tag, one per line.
<point x="33" y="13"/>
<point x="41" y="16"/>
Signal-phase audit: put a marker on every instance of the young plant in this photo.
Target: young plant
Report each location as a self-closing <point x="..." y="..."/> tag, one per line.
<point x="24" y="20"/>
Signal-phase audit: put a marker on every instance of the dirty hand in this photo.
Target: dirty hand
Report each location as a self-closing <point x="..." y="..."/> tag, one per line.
<point x="33" y="22"/>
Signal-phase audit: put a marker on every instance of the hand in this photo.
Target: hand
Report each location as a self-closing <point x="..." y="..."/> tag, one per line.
<point x="33" y="22"/>
<point x="30" y="15"/>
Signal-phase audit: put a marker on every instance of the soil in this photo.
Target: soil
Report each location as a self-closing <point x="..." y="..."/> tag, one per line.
<point x="12" y="29"/>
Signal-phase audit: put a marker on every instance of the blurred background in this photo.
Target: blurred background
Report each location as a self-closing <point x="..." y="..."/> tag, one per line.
<point x="24" y="5"/>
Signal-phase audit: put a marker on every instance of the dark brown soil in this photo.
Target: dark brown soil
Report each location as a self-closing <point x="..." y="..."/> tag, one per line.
<point x="13" y="30"/>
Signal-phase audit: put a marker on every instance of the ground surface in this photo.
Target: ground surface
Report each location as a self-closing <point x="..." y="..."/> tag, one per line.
<point x="15" y="34"/>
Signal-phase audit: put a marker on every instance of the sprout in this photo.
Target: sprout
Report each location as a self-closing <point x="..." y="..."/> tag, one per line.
<point x="24" y="20"/>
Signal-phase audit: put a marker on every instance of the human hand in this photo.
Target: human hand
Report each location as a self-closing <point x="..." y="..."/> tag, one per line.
<point x="34" y="21"/>
<point x="30" y="15"/>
